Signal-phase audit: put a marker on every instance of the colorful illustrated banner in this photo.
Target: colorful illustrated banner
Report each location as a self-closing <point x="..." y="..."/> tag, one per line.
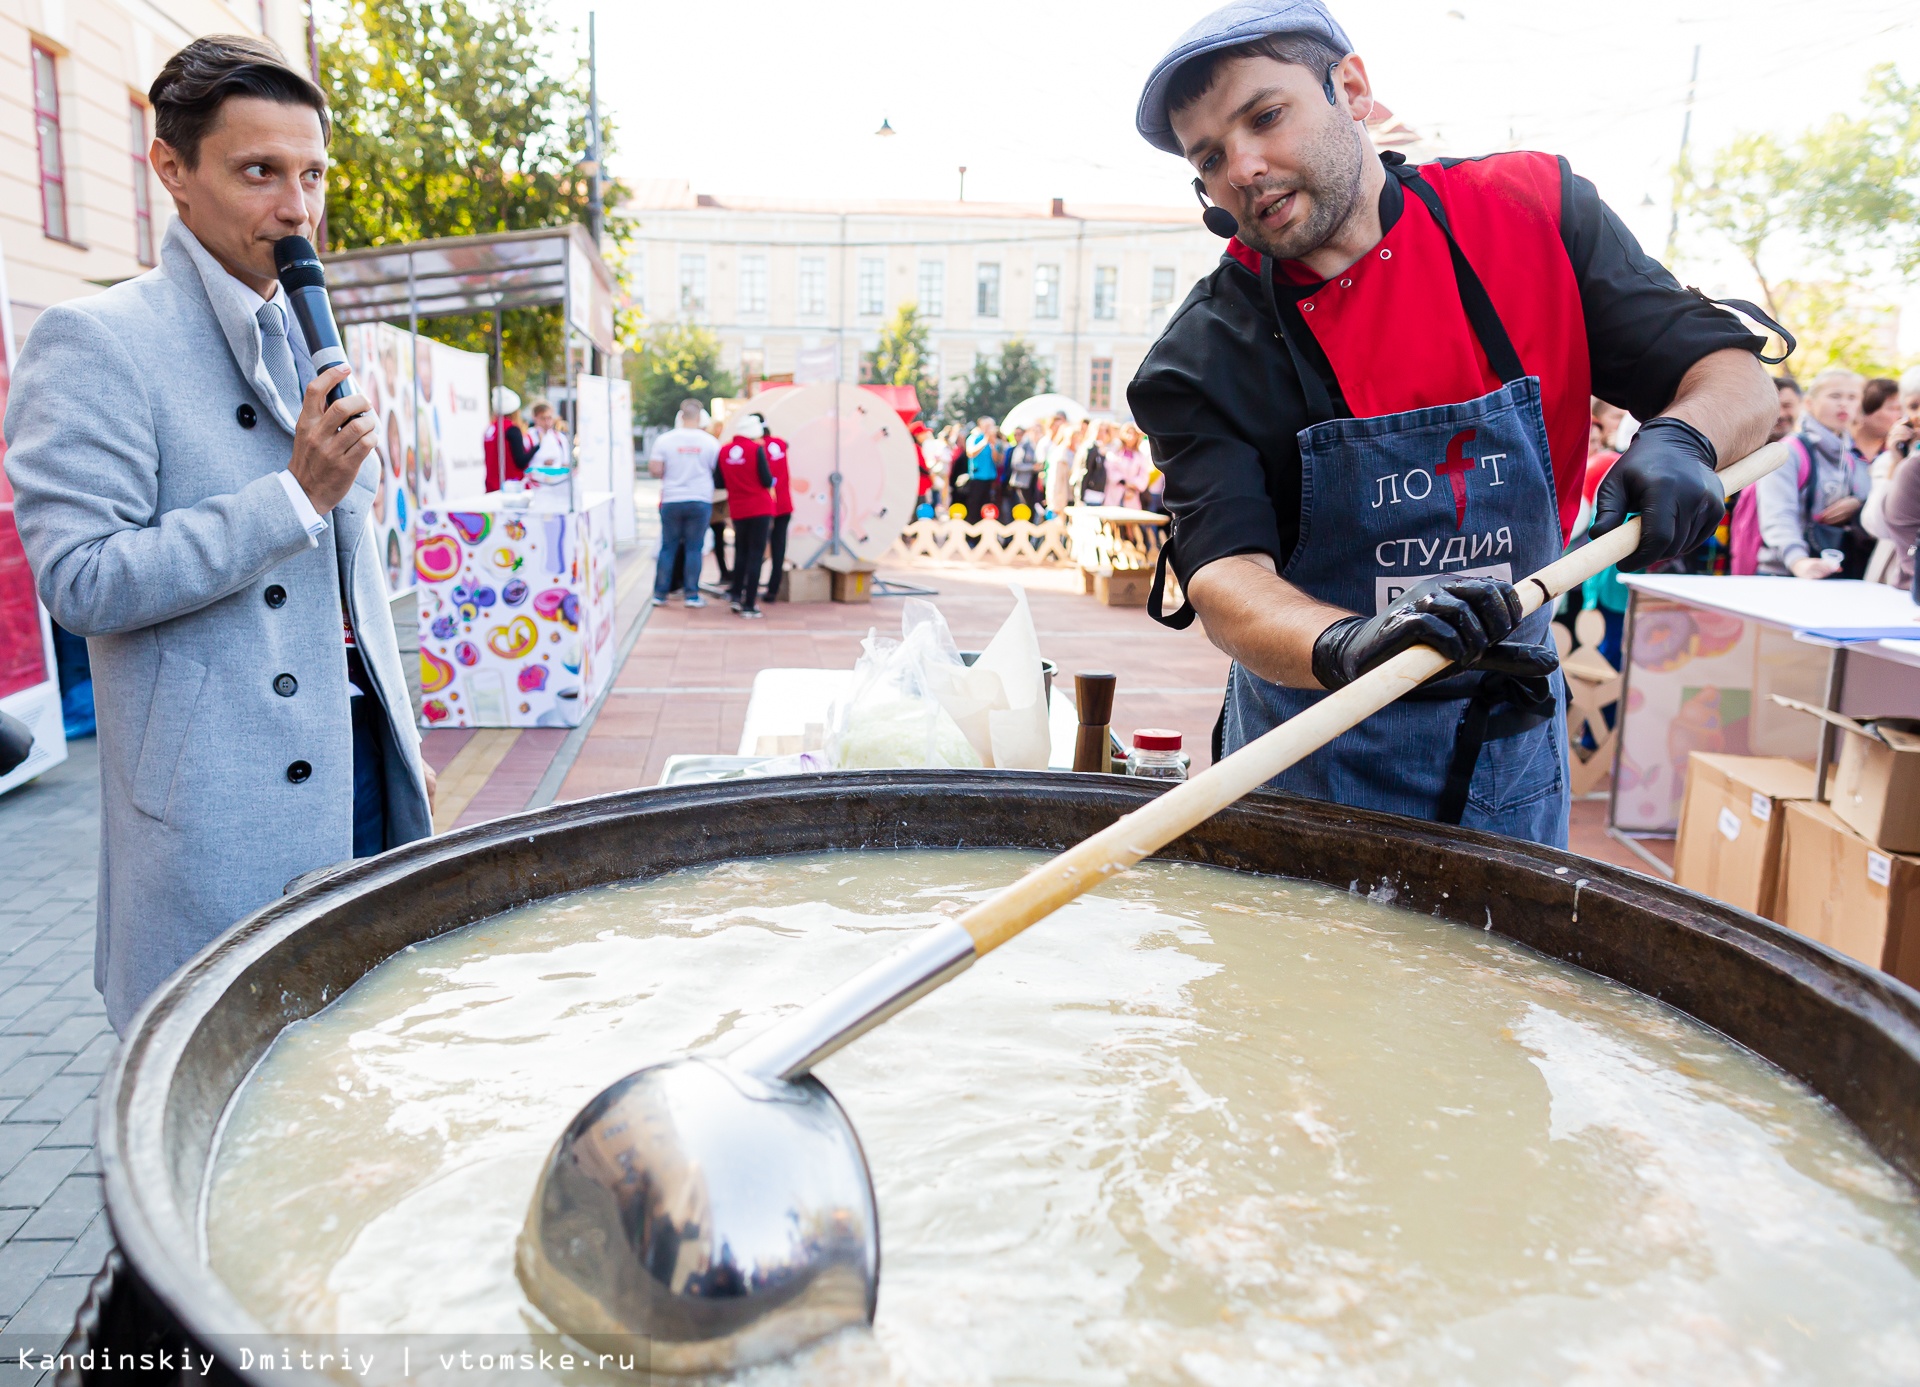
<point x="516" y="613"/>
<point x="438" y="464"/>
<point x="1701" y="680"/>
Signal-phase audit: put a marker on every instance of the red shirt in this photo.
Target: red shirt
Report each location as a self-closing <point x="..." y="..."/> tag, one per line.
<point x="782" y="478"/>
<point x="1505" y="212"/>
<point x="747" y="496"/>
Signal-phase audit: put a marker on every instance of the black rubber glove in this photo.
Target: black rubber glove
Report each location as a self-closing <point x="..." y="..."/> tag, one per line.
<point x="1465" y="619"/>
<point x="1666" y="475"/>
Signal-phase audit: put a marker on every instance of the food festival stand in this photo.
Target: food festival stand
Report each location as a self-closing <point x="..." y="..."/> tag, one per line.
<point x="515" y="606"/>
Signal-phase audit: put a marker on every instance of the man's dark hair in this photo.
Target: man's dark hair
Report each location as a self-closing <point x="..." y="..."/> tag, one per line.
<point x="196" y="82"/>
<point x="1785" y="381"/>
<point x="1195" y="78"/>
<point x="1876" y="392"/>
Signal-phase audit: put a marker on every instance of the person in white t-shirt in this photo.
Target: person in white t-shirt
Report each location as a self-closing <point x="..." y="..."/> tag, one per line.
<point x="683" y="459"/>
<point x="548" y="438"/>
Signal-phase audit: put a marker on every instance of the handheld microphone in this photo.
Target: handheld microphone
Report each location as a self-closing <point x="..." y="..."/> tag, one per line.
<point x="1217" y="219"/>
<point x="305" y="280"/>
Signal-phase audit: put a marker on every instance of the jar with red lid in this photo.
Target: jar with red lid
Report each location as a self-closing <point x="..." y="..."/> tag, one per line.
<point x="1157" y="755"/>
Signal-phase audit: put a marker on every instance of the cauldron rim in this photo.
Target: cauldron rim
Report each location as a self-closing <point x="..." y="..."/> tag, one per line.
<point x="148" y="1091"/>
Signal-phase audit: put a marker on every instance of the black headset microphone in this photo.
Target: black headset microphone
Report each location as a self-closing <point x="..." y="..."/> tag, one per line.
<point x="1219" y="220"/>
<point x="305" y="280"/>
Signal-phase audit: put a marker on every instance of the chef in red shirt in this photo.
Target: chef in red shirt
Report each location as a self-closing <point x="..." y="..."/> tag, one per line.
<point x="752" y="497"/>
<point x="1372" y="417"/>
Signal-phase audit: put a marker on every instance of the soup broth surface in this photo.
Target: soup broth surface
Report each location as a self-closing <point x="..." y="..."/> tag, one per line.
<point x="1201" y="1127"/>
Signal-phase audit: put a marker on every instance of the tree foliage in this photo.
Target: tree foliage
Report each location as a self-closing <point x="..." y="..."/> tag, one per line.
<point x="674" y="362"/>
<point x="900" y="358"/>
<point x="995" y="387"/>
<point x="454" y="119"/>
<point x="1845" y="192"/>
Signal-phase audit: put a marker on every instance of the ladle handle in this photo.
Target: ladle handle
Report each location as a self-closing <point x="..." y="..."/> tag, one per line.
<point x="796" y="1043"/>
<point x="1155" y="824"/>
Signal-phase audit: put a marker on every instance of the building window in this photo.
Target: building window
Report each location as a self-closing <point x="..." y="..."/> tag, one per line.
<point x="986" y="291"/>
<point x="933" y="288"/>
<point x="873" y="285"/>
<point x="1046" y="291"/>
<point x="142" y="191"/>
<point x="1100" y="384"/>
<point x="1162" y="286"/>
<point x="53" y="168"/>
<point x="693" y="284"/>
<point x="813" y="287"/>
<point x="1106" y="290"/>
<point x="753" y="284"/>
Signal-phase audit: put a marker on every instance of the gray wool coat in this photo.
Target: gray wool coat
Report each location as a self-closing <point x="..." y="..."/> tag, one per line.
<point x="157" y="528"/>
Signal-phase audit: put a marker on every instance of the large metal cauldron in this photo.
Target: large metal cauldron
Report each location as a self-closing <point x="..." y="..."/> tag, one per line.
<point x="1851" y="1033"/>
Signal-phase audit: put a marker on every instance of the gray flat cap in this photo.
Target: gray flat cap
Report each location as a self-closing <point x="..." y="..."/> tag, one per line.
<point x="1238" y="23"/>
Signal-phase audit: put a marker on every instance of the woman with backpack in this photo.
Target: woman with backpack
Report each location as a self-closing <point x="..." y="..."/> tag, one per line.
<point x="1788" y="522"/>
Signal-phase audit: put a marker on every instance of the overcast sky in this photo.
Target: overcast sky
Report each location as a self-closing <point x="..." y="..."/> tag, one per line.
<point x="1036" y="97"/>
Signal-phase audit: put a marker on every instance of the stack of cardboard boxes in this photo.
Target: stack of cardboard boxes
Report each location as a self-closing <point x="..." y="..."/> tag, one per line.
<point x="1843" y="872"/>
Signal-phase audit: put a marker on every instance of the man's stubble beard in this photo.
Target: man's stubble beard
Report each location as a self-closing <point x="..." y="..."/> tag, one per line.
<point x="1330" y="176"/>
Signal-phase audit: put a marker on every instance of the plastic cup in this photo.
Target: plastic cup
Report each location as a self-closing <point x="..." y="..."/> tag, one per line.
<point x="1836" y="557"/>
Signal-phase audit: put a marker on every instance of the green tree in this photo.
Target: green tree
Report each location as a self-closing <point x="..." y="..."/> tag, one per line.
<point x="673" y="362"/>
<point x="995" y="387"/>
<point x="1860" y="176"/>
<point x="454" y="119"/>
<point x="900" y="358"/>
<point x="1749" y="194"/>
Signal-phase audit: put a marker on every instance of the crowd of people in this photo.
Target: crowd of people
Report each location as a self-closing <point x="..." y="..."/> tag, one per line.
<point x="1036" y="470"/>
<point x="708" y="485"/>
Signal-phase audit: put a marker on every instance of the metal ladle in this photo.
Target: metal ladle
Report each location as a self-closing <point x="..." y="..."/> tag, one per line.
<point x="713" y="1212"/>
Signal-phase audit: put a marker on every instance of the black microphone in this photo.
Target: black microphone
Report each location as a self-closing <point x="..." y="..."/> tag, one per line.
<point x="1218" y="220"/>
<point x="305" y="280"/>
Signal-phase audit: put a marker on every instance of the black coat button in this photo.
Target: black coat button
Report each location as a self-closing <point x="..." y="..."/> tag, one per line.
<point x="276" y="596"/>
<point x="285" y="685"/>
<point x="299" y="771"/>
<point x="246" y="416"/>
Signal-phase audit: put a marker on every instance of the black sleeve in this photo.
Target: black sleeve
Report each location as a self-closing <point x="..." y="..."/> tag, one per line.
<point x="1218" y="486"/>
<point x="518" y="446"/>
<point x="766" y="472"/>
<point x="1644" y="332"/>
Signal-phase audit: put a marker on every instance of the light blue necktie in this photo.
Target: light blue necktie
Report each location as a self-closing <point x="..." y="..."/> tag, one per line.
<point x="278" y="356"/>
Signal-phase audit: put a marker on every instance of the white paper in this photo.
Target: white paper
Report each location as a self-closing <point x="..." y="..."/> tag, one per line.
<point x="1019" y="725"/>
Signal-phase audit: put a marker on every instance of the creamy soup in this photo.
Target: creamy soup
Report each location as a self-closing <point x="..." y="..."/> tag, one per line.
<point x="1202" y="1127"/>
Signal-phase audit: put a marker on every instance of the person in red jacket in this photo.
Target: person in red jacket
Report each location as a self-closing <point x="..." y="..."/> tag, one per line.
<point x="776" y="451"/>
<point x="752" y="497"/>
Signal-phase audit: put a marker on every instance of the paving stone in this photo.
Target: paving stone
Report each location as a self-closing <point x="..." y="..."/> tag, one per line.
<point x="23" y="1076"/>
<point x="39" y="1173"/>
<point x="56" y="1098"/>
<point x="45" y="1017"/>
<point x="13" y="1047"/>
<point x="23" y="1266"/>
<point x="96" y="1057"/>
<point x="90" y="1250"/>
<point x="51" y="1307"/>
<point x="20" y="1000"/>
<point x="17" y="1139"/>
<point x="72" y="1035"/>
<point x="77" y="1128"/>
<point x="67" y="1211"/>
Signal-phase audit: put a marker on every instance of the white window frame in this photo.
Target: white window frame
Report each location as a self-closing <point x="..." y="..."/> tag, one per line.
<point x="812" y="286"/>
<point x="693" y="282"/>
<point x="986" y="289"/>
<point x="932" y="286"/>
<point x="871" y="288"/>
<point x="1106" y="292"/>
<point x="1168" y="275"/>
<point x="753" y="284"/>
<point x="1046" y="291"/>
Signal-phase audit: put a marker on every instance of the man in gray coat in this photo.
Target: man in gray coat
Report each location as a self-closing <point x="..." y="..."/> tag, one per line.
<point x="192" y="505"/>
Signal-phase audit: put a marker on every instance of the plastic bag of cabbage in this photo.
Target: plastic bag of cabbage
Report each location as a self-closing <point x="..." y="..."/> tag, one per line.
<point x="915" y="702"/>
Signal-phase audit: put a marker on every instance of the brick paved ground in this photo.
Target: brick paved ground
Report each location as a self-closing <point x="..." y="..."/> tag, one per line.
<point x="54" y="1046"/>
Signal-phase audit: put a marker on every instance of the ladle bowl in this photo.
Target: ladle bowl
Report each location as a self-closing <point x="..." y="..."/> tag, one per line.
<point x="747" y="1212"/>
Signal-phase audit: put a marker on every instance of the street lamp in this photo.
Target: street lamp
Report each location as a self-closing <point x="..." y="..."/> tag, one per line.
<point x="886" y="128"/>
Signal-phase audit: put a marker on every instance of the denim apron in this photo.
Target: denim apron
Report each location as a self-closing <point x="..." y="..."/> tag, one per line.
<point x="1387" y="501"/>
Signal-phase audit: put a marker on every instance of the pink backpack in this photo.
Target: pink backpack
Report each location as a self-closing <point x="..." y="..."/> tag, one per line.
<point x="1743" y="533"/>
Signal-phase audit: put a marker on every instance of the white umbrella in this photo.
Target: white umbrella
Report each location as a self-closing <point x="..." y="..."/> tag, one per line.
<point x="1038" y="407"/>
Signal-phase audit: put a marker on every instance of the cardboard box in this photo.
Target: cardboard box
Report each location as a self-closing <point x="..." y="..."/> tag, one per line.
<point x="1837" y="887"/>
<point x="852" y="578"/>
<point x="1730" y="827"/>
<point x="1123" y="587"/>
<point x="805" y="585"/>
<point x="1875" y="787"/>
